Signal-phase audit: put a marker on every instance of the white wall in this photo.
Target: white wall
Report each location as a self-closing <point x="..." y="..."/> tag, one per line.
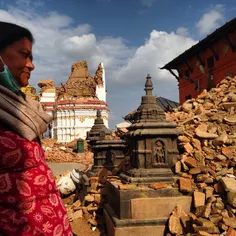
<point x="72" y="124"/>
<point x="48" y="96"/>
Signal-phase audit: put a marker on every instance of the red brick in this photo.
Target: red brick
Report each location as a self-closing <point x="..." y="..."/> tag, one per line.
<point x="231" y="232"/>
<point x="190" y="162"/>
<point x="198" y="199"/>
<point x="157" y="185"/>
<point x="185" y="185"/>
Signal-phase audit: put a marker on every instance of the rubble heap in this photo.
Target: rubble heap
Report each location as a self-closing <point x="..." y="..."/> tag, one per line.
<point x="57" y="152"/>
<point x="206" y="167"/>
<point x="80" y="83"/>
<point x="98" y="75"/>
<point x="90" y="208"/>
<point x="46" y="84"/>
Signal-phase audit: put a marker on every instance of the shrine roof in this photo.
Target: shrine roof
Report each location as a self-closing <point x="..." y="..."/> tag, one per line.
<point x="166" y="104"/>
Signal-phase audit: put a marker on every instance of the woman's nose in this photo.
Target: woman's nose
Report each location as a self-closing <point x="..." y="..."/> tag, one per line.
<point x="30" y="65"/>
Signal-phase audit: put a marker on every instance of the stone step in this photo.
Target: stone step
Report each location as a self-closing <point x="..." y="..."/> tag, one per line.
<point x="116" y="227"/>
<point x="147" y="176"/>
<point x="148" y="216"/>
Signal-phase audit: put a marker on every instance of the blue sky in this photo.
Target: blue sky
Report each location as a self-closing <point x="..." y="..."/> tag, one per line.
<point x="131" y="37"/>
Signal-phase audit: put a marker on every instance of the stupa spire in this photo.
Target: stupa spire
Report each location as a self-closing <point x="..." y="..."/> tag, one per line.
<point x="148" y="85"/>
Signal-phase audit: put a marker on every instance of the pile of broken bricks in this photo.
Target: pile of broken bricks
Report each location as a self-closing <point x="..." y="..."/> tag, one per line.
<point x="58" y="152"/>
<point x="91" y="207"/>
<point x="206" y="167"/>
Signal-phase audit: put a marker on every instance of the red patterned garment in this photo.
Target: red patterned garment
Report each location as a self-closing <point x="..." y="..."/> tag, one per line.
<point x="29" y="201"/>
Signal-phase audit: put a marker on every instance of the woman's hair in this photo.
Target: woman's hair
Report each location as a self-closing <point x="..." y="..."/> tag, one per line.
<point x="10" y="33"/>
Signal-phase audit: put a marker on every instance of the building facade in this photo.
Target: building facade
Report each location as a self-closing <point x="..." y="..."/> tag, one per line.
<point x="74" y="105"/>
<point x="205" y="64"/>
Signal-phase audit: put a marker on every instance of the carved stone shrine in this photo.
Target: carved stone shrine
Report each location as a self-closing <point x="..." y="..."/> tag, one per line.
<point x="135" y="208"/>
<point x="153" y="142"/>
<point x="108" y="152"/>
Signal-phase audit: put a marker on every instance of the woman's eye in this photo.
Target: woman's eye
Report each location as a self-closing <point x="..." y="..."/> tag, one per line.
<point x="24" y="54"/>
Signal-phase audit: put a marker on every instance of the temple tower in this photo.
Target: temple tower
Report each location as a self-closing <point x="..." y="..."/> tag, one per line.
<point x="153" y="142"/>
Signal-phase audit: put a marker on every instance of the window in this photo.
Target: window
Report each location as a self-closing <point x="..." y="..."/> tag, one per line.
<point x="187" y="74"/>
<point x="188" y="97"/>
<point x="210" y="62"/>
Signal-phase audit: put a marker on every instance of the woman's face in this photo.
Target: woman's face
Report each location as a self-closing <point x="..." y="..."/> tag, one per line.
<point x="18" y="58"/>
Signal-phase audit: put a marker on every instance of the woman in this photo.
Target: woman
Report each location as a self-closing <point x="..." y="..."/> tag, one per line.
<point x="29" y="201"/>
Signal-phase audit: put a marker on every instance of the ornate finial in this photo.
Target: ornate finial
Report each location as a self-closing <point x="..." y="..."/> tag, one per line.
<point x="98" y="130"/>
<point x="99" y="114"/>
<point x="148" y="111"/>
<point x="148" y="85"/>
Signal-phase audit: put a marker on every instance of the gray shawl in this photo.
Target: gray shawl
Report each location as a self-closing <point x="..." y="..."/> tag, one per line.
<point x="26" y="117"/>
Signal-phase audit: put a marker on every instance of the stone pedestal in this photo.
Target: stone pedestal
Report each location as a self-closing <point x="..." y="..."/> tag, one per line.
<point x="141" y="210"/>
<point x="116" y="227"/>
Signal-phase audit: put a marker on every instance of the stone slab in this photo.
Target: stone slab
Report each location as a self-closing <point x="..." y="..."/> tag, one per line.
<point x="138" y="230"/>
<point x="153" y="208"/>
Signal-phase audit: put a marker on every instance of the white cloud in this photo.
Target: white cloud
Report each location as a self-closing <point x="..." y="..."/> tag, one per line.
<point x="6" y="16"/>
<point x="29" y="4"/>
<point x="84" y="45"/>
<point x="182" y="31"/>
<point x="147" y="3"/>
<point x="59" y="44"/>
<point x="211" y="20"/>
<point x="159" y="49"/>
<point x="54" y="21"/>
<point x="83" y="29"/>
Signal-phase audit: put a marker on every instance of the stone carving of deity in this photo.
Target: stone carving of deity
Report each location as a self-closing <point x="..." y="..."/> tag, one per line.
<point x="159" y="153"/>
<point x="110" y="159"/>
